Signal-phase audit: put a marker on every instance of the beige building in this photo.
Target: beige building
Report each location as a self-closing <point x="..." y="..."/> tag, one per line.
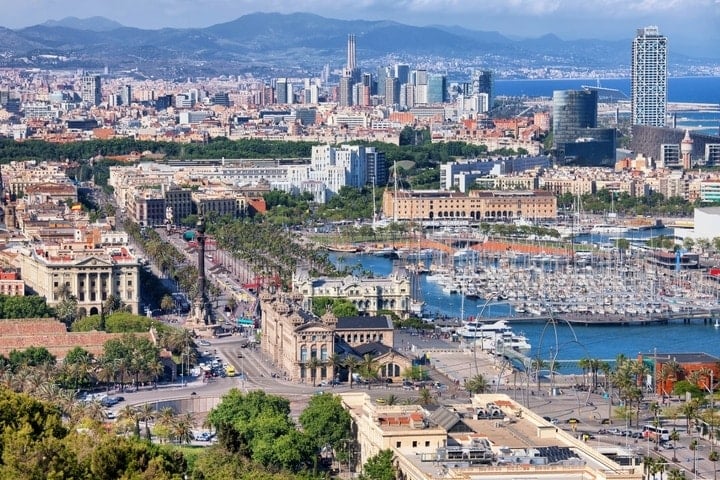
<point x="493" y="438"/>
<point x="478" y="205"/>
<point x="293" y="337"/>
<point x="90" y="273"/>
<point x="369" y="295"/>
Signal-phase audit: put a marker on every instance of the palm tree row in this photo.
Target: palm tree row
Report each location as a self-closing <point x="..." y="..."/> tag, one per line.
<point x="268" y="249"/>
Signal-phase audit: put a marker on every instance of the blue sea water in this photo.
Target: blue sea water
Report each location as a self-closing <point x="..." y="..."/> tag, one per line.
<point x="680" y="89"/>
<point x="566" y="343"/>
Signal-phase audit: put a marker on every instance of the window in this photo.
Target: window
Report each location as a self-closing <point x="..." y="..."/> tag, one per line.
<point x="398" y="444"/>
<point x="323" y="353"/>
<point x="427" y="443"/>
<point x="414" y="443"/>
<point x="303" y="354"/>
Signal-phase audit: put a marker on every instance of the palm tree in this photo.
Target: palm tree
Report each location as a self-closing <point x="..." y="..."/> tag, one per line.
<point x="313" y="365"/>
<point x="182" y="428"/>
<point x="674" y="437"/>
<point x="391" y="400"/>
<point x="425" y="397"/>
<point x="689" y="410"/>
<point x="369" y="368"/>
<point x="676" y="474"/>
<point x="129" y="418"/>
<point x="351" y="363"/>
<point x="146" y="412"/>
<point x="476" y="384"/>
<point x="584" y="365"/>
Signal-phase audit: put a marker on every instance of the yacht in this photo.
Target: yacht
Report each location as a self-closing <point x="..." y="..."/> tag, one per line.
<point x="494" y="335"/>
<point x="608" y="228"/>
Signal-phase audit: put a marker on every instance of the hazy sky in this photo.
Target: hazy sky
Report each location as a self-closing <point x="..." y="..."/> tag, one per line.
<point x="687" y="23"/>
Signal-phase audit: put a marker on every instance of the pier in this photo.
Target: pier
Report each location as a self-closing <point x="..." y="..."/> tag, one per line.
<point x="706" y="316"/>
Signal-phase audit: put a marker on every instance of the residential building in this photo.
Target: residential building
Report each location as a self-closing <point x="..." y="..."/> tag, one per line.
<point x="494" y="437"/>
<point x="90" y="89"/>
<point x="648" y="85"/>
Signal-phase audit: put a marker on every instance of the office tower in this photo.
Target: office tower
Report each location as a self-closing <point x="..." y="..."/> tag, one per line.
<point x="402" y="73"/>
<point x="90" y="89"/>
<point x="346" y="91"/>
<point x="576" y="137"/>
<point x="392" y="91"/>
<point x="648" y="83"/>
<point x="482" y="82"/>
<point x="281" y="91"/>
<point x="126" y="95"/>
<point x="351" y="68"/>
<point x="420" y="77"/>
<point x="382" y="74"/>
<point x="436" y="88"/>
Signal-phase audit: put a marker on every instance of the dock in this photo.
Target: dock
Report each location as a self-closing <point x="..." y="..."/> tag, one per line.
<point x="705" y="316"/>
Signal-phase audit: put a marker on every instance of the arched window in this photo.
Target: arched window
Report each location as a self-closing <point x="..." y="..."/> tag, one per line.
<point x="303" y="354"/>
<point x="313" y="352"/>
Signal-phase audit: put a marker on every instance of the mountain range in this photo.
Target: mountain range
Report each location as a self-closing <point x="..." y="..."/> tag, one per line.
<point x="297" y="44"/>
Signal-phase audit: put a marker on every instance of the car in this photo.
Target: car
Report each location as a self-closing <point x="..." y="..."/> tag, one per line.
<point x="407" y="385"/>
<point x="239" y="355"/>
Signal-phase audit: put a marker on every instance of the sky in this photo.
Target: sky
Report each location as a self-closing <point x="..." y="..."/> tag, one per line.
<point x="691" y="25"/>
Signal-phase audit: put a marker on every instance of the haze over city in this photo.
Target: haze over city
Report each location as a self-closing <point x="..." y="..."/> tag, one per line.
<point x="691" y="24"/>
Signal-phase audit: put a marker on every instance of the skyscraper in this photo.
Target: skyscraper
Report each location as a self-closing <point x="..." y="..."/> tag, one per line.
<point x="576" y="137"/>
<point x="90" y="89"/>
<point x="482" y="82"/>
<point x="351" y="68"/>
<point x="649" y="78"/>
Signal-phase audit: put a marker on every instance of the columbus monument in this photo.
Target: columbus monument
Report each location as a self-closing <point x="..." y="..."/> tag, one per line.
<point x="202" y="310"/>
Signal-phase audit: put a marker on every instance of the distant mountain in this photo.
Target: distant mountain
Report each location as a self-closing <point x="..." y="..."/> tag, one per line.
<point x="93" y="24"/>
<point x="295" y="44"/>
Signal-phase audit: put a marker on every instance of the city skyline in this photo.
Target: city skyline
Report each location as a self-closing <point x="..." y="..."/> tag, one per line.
<point x="691" y="25"/>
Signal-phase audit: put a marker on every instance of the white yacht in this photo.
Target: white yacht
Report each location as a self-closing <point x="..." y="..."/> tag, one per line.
<point x="494" y="335"/>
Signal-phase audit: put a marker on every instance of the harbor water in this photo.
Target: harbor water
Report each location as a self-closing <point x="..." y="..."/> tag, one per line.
<point x="565" y="343"/>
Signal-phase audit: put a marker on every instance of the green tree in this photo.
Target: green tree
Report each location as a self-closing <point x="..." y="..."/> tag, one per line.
<point x="325" y="420"/>
<point x="379" y="467"/>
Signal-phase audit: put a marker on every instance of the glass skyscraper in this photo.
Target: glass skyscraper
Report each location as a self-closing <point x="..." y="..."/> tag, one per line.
<point x="649" y="78"/>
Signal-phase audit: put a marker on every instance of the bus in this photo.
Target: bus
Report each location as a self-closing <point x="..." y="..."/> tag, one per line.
<point x="654" y="433"/>
<point x="230" y="371"/>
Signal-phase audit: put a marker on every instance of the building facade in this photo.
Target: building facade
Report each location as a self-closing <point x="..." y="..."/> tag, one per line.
<point x="479" y="205"/>
<point x="648" y="84"/>
<point x="89" y="274"/>
<point x="369" y="295"/>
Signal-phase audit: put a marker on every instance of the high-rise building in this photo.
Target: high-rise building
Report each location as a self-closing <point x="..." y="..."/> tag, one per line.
<point x="382" y="75"/>
<point x="126" y="95"/>
<point x="576" y="137"/>
<point x="482" y="82"/>
<point x="90" y="89"/>
<point x="649" y="78"/>
<point x="392" y="91"/>
<point x="436" y="88"/>
<point x="402" y="73"/>
<point x="281" y="91"/>
<point x="351" y="68"/>
<point x="345" y="92"/>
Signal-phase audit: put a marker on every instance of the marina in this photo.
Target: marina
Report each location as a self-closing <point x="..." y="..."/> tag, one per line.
<point x="570" y="311"/>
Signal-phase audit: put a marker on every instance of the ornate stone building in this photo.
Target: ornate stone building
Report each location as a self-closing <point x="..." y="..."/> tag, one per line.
<point x="369" y="295"/>
<point x="91" y="274"/>
<point x="304" y="346"/>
